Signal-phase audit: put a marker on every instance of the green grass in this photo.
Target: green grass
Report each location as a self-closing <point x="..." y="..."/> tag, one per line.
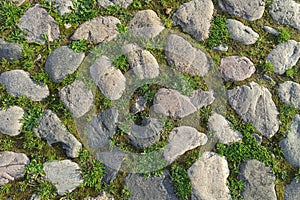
<point x="181" y="182"/>
<point x="218" y="33"/>
<point x="283" y="36"/>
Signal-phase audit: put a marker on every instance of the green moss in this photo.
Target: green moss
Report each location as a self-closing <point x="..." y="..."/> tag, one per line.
<point x="218" y="33"/>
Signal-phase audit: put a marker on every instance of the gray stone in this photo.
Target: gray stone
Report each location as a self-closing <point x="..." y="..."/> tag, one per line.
<point x="142" y="62"/>
<point x="12" y="166"/>
<point x="292" y="190"/>
<point x="220" y="47"/>
<point x="102" y="127"/>
<point x="241" y="33"/>
<point x="181" y="140"/>
<point x="51" y="129"/>
<point x="255" y="105"/>
<point x="102" y="196"/>
<point x="77" y="98"/>
<point x="10" y="121"/>
<point x="284" y="56"/>
<point x="64" y="175"/>
<point x="291" y="144"/>
<point x="257" y="137"/>
<point x="200" y="98"/>
<point x="194" y="18"/>
<point x="150" y="188"/>
<point x="286" y="12"/>
<point x="146" y="24"/>
<point x="222" y="129"/>
<point x="181" y="54"/>
<point x="62" y="62"/>
<point x="36" y="22"/>
<point x="18" y="82"/>
<point x="248" y="9"/>
<point x="208" y="177"/>
<point x="35" y="197"/>
<point x="139" y="105"/>
<point x="121" y="3"/>
<point x="97" y="30"/>
<point x="271" y="30"/>
<point x="289" y="93"/>
<point x="259" y="181"/>
<point x="171" y="103"/>
<point x="63" y="6"/>
<point x="236" y="68"/>
<point x="109" y="80"/>
<point x="10" y="50"/>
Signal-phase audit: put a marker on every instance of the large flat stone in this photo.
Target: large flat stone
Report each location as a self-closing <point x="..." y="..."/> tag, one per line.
<point x="289" y="93"/>
<point x="10" y="121"/>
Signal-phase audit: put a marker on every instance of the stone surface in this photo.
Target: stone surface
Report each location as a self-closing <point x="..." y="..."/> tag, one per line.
<point x="102" y="196"/>
<point x="236" y="68"/>
<point x="62" y="62"/>
<point x="271" y="30"/>
<point x="181" y="140"/>
<point x="10" y="50"/>
<point x="284" y="56"/>
<point x="171" y="103"/>
<point x="248" y="9"/>
<point x="200" y="98"/>
<point x="97" y="30"/>
<point x="12" y="166"/>
<point x="289" y="93"/>
<point x="194" y="18"/>
<point x="139" y="105"/>
<point x="35" y="197"/>
<point x="77" y="98"/>
<point x="63" y="6"/>
<point x="64" y="175"/>
<point x="286" y="12"/>
<point x="142" y="62"/>
<point x="36" y="22"/>
<point x="18" y="82"/>
<point x="241" y="33"/>
<point x="10" y="123"/>
<point x="109" y="80"/>
<point x="181" y="54"/>
<point x="51" y="129"/>
<point x="291" y="144"/>
<point x="146" y="24"/>
<point x="220" y="47"/>
<point x="222" y="129"/>
<point x="255" y="105"/>
<point x="208" y="177"/>
<point x="102" y="128"/>
<point x="292" y="190"/>
<point x="259" y="181"/>
<point x="121" y="3"/>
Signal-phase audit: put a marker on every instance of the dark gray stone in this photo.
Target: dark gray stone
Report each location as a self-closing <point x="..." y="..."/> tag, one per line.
<point x="200" y="98"/>
<point x="63" y="6"/>
<point x="289" y="93"/>
<point x="139" y="105"/>
<point x="10" y="50"/>
<point x="121" y="3"/>
<point x="10" y="123"/>
<point x="292" y="190"/>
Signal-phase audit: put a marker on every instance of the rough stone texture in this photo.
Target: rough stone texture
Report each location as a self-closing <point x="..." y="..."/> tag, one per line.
<point x="248" y="9"/>
<point x="284" y="56"/>
<point x="236" y="68"/>
<point x="64" y="175"/>
<point x="51" y="129"/>
<point x="208" y="177"/>
<point x="289" y="93"/>
<point x="18" y="82"/>
<point x="291" y="144"/>
<point x="77" y="98"/>
<point x="102" y="196"/>
<point x="286" y="12"/>
<point x="255" y="105"/>
<point x="98" y="29"/>
<point x="110" y="80"/>
<point x="200" y="98"/>
<point x="10" y="121"/>
<point x="62" y="62"/>
<point x="64" y="6"/>
<point x="292" y="190"/>
<point x="194" y="18"/>
<point x="147" y="134"/>
<point x="142" y="62"/>
<point x="36" y="22"/>
<point x="222" y="128"/>
<point x="146" y="24"/>
<point x="241" y="33"/>
<point x="181" y="54"/>
<point x="181" y="140"/>
<point x="171" y="103"/>
<point x="152" y="187"/>
<point x="271" y="30"/>
<point x="121" y="3"/>
<point x="12" y="166"/>
<point x="139" y="105"/>
<point x="102" y="128"/>
<point x="10" y="50"/>
<point x="259" y="181"/>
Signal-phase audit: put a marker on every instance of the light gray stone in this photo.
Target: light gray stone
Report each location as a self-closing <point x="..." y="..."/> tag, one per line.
<point x="10" y="123"/>
<point x="289" y="93"/>
<point x="255" y="105"/>
<point x="10" y="50"/>
<point x="241" y="33"/>
<point x="139" y="105"/>
<point x="102" y="196"/>
<point x="121" y="3"/>
<point x="271" y="30"/>
<point x="181" y="54"/>
<point x="63" y="6"/>
<point x="220" y="47"/>
<point x="64" y="175"/>
<point x="18" y="82"/>
<point x="194" y="17"/>
<point x="200" y="98"/>
<point x="208" y="177"/>
<point x="51" y="129"/>
<point x="35" y="197"/>
<point x="36" y="22"/>
<point x="292" y="190"/>
<point x="12" y="166"/>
